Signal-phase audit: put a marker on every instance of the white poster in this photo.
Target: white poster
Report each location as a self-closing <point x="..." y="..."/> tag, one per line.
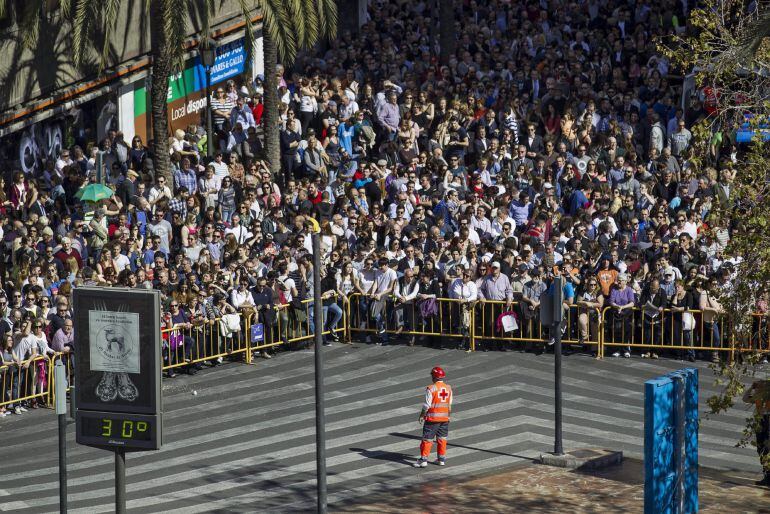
<point x="114" y="338"/>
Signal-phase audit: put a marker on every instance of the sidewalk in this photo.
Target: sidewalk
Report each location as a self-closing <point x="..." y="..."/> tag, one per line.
<point x="542" y="489"/>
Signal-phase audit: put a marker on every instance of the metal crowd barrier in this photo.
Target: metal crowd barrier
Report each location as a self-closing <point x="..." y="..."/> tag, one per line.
<point x="528" y="330"/>
<point x="30" y="381"/>
<point x="33" y="380"/>
<point x="290" y="326"/>
<point x="667" y="330"/>
<point x="205" y="340"/>
<point x="410" y="318"/>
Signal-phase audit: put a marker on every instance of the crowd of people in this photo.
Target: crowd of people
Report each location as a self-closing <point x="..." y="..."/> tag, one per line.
<point x="554" y="141"/>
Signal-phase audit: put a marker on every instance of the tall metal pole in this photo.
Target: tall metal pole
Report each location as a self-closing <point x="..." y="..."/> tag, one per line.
<point x="558" y="447"/>
<point x="320" y="416"/>
<point x="120" y="481"/>
<point x="209" y="122"/>
<point x="60" y="388"/>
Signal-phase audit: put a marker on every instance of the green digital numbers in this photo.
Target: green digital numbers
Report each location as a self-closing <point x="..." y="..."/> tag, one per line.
<point x="127" y="428"/>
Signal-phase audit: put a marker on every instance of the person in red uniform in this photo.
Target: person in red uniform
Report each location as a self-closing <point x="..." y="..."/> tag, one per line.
<point x="435" y="418"/>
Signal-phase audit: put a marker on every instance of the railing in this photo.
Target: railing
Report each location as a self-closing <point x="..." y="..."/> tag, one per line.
<point x="475" y="323"/>
<point x="287" y="325"/>
<point x="665" y="329"/>
<point x="581" y="325"/>
<point x="205" y="340"/>
<point x="27" y="382"/>
<point x="448" y="317"/>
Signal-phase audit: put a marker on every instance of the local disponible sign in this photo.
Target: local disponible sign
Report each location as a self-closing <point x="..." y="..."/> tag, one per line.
<point x="191" y="107"/>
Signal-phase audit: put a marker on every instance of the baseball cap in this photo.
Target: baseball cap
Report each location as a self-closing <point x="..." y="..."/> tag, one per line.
<point x="496" y="265"/>
<point x="547" y="185"/>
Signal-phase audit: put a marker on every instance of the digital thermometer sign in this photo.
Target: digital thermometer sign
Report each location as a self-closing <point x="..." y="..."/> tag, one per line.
<point x="118" y="368"/>
<point x="107" y="429"/>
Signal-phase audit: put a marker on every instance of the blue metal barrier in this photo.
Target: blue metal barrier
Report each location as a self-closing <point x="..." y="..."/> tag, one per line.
<point x="671" y="443"/>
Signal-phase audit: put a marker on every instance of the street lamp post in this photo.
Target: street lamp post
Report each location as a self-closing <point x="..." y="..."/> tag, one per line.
<point x="320" y="414"/>
<point x="208" y="53"/>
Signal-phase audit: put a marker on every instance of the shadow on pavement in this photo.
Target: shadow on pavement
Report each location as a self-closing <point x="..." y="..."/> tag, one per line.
<point x="474" y="448"/>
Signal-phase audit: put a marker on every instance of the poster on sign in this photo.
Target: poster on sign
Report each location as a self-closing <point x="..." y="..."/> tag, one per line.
<point x="114" y="338"/>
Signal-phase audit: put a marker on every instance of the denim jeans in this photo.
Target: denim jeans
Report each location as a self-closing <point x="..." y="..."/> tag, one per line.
<point x="336" y="316"/>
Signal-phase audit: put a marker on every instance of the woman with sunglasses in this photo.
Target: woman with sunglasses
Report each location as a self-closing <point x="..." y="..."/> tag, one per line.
<point x="226" y="199"/>
<point x="136" y="154"/>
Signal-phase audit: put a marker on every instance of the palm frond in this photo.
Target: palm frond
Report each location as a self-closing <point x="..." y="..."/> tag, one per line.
<point x="66" y="7"/>
<point x="305" y="18"/>
<point x="247" y="6"/>
<point x="175" y="28"/>
<point x="30" y="21"/>
<point x="276" y="22"/>
<point x="82" y="22"/>
<point x="207" y="10"/>
<point x="327" y="18"/>
<point x="110" y="17"/>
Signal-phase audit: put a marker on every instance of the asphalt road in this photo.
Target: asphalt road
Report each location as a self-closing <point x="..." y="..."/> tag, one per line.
<point x="246" y="441"/>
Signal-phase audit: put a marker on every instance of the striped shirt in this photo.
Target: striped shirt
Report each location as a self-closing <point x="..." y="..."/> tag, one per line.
<point x="512" y="124"/>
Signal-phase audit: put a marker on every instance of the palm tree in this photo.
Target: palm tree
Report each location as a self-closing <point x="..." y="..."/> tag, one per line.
<point x="288" y="25"/>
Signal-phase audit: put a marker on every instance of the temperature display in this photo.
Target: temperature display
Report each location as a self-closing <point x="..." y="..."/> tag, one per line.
<point x="112" y="429"/>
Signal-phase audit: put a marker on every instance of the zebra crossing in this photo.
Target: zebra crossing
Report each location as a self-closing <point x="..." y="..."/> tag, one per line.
<point x="246" y="441"/>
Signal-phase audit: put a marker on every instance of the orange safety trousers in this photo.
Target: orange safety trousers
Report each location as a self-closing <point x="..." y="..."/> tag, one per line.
<point x="434" y="430"/>
<point x="425" y="447"/>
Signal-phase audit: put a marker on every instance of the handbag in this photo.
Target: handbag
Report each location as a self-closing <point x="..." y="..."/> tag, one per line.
<point x="688" y="321"/>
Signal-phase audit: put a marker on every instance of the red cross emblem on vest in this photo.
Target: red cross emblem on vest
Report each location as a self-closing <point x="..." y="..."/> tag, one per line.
<point x="443" y="394"/>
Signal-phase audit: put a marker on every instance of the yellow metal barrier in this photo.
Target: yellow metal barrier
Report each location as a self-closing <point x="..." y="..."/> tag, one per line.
<point x="287" y="325"/>
<point x="580" y="326"/>
<point x="759" y="338"/>
<point x="27" y="382"/>
<point x="668" y="330"/>
<point x="449" y="320"/>
<point x="204" y="340"/>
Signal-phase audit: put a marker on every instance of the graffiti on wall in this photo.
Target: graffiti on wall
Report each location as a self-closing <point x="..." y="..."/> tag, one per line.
<point x="39" y="143"/>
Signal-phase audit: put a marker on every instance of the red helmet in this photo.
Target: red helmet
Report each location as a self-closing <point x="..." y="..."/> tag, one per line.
<point x="437" y="372"/>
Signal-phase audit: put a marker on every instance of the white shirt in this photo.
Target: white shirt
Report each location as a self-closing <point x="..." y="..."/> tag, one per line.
<point x="121" y="262"/>
<point x="289" y="283"/>
<point x="238" y="298"/>
<point x="240" y="232"/>
<point x="61" y="163"/>
<point x="497" y="225"/>
<point x="366" y="279"/>
<point x="481" y="225"/>
<point x="383" y="280"/>
<point x="463" y="291"/>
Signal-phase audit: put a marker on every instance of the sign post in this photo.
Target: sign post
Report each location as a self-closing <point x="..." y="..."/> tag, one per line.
<point x="60" y="385"/>
<point x="320" y="414"/>
<point x="551" y="314"/>
<point x="117" y="375"/>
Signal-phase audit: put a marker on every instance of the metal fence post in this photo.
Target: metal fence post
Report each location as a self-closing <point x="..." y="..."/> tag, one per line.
<point x="472" y="343"/>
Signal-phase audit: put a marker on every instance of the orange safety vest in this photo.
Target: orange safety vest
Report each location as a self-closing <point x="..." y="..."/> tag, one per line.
<point x="441" y="399"/>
